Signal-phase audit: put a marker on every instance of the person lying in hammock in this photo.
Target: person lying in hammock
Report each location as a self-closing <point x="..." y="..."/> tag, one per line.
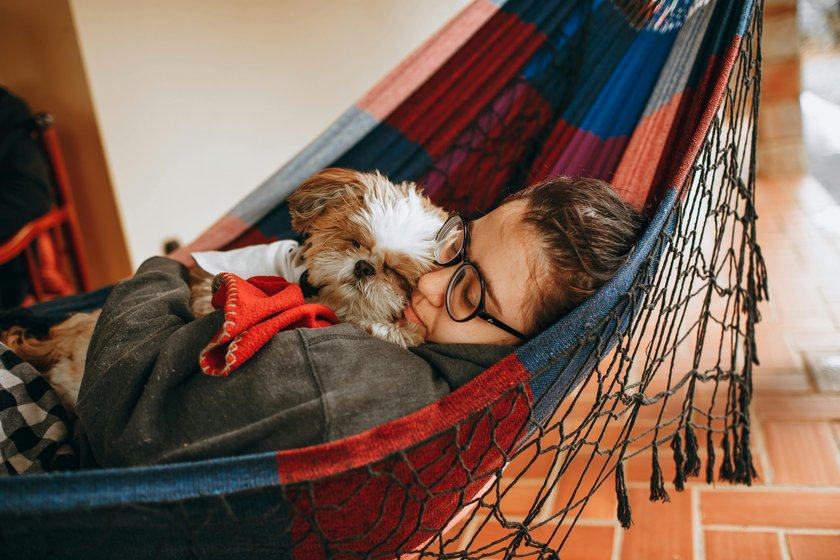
<point x="144" y="399"/>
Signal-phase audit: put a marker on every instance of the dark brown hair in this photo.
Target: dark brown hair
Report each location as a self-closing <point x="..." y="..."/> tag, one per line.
<point x="587" y="233"/>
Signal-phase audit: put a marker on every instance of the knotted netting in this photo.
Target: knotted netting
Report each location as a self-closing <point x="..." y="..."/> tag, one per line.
<point x="652" y="373"/>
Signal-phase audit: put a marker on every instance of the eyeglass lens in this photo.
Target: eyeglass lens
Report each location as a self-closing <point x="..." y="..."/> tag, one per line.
<point x="464" y="293"/>
<point x="449" y="241"/>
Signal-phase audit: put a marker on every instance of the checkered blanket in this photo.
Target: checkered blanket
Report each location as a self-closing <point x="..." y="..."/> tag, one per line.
<point x="35" y="430"/>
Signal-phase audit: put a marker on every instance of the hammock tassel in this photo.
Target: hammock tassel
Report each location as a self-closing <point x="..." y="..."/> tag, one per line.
<point x="762" y="293"/>
<point x="657" y="481"/>
<point x="679" y="460"/>
<point x="624" y="513"/>
<point x="726" y="471"/>
<point x="692" y="459"/>
<point x="744" y="468"/>
<point x="710" y="457"/>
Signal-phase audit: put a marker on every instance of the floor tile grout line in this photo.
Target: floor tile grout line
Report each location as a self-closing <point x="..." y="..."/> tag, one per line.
<point x="618" y="541"/>
<point x="761" y="443"/>
<point x="724" y="486"/>
<point x="783" y="547"/>
<point x="697" y="535"/>
<point x="770" y="529"/>
<point x="832" y="437"/>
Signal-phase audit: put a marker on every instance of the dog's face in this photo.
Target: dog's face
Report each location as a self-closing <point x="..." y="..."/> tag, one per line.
<point x="367" y="241"/>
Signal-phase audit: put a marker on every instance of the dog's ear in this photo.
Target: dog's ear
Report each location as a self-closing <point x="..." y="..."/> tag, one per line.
<point x="326" y="187"/>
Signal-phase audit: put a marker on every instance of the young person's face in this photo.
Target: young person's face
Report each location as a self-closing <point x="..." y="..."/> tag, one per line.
<point x="502" y="250"/>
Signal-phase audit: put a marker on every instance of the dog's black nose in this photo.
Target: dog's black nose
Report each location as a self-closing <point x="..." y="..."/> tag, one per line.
<point x="362" y="269"/>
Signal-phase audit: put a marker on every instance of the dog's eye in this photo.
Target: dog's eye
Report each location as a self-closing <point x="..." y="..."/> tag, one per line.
<point x="405" y="285"/>
<point x="356" y="244"/>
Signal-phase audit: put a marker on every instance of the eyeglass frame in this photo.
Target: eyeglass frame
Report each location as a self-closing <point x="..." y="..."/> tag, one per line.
<point x="462" y="257"/>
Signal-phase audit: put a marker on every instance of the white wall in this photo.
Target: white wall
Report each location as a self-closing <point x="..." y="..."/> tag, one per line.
<point x="199" y="101"/>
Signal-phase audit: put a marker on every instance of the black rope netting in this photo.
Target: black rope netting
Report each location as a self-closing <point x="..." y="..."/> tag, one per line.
<point x="677" y="383"/>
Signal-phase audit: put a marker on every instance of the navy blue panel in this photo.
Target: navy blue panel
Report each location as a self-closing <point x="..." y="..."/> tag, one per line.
<point x="71" y="304"/>
<point x="385" y="148"/>
<point x="547" y="16"/>
<point x="557" y="68"/>
<point x="620" y="104"/>
<point x="252" y="524"/>
<point x="724" y="26"/>
<point x="97" y="488"/>
<point x="277" y="224"/>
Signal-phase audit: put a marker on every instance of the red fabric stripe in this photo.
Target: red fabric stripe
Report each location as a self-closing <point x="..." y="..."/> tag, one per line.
<point x="698" y="108"/>
<point x="647" y="148"/>
<point x="327" y="459"/>
<point x="219" y="236"/>
<point x="426" y="60"/>
<point x="442" y="107"/>
<point x="702" y="105"/>
<point x="402" y="501"/>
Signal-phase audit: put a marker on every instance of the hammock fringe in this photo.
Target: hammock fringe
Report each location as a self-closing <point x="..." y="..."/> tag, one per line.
<point x="624" y="513"/>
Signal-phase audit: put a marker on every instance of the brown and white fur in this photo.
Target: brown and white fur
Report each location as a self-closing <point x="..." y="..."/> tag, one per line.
<point x="367" y="242"/>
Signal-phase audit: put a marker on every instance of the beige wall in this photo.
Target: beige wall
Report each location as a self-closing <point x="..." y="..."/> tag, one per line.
<point x="199" y="101"/>
<point x="41" y="62"/>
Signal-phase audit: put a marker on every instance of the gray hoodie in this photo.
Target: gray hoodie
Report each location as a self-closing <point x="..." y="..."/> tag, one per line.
<point x="144" y="399"/>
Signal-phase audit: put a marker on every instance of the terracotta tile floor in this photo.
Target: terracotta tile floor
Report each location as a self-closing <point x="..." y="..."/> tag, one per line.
<point x="792" y="512"/>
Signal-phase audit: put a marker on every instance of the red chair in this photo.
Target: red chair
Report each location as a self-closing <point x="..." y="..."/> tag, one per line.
<point x="52" y="243"/>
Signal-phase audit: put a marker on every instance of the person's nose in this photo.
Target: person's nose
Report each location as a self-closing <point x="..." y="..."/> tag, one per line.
<point x="432" y="285"/>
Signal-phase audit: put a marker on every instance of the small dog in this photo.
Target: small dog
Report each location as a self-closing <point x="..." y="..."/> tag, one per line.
<point x="367" y="242"/>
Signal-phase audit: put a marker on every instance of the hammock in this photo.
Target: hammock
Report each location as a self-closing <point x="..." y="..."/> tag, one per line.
<point x="659" y="98"/>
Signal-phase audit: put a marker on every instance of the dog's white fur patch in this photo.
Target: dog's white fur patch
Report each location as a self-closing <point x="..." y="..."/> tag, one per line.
<point x="399" y="221"/>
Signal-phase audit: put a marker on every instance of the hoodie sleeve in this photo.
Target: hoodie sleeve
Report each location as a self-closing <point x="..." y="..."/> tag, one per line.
<point x="145" y="400"/>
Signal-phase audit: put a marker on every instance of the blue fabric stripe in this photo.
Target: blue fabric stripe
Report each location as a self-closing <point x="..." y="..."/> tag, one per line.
<point x="624" y="64"/>
<point x="229" y="526"/>
<point x="385" y="148"/>
<point x="547" y="16"/>
<point x="71" y="304"/>
<point x="619" y="106"/>
<point x="682" y="59"/>
<point x="543" y="62"/>
<point x="607" y="40"/>
<point x="161" y="483"/>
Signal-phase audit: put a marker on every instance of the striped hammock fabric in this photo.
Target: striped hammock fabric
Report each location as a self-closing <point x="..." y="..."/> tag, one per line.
<point x="507" y="93"/>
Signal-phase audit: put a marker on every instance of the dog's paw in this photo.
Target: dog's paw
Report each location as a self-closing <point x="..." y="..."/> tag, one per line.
<point x="402" y="335"/>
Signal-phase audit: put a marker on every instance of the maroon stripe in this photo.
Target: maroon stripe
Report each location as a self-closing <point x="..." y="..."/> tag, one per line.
<point x="442" y="107"/>
<point x="473" y="174"/>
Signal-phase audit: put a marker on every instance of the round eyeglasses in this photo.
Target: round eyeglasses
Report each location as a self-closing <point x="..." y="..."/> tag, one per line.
<point x="466" y="289"/>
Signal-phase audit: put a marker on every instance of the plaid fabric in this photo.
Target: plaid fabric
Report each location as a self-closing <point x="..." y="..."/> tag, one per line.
<point x="34" y="427"/>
